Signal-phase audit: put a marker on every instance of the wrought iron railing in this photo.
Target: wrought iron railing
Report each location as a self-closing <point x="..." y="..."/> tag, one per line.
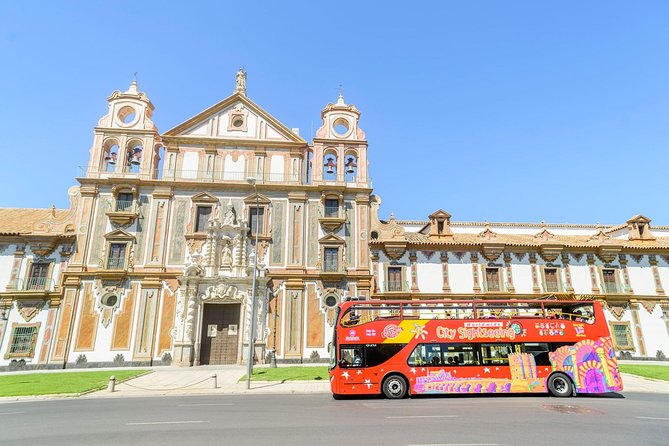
<point x="225" y="176"/>
<point x="123" y="205"/>
<point x="33" y="284"/>
<point x="116" y="263"/>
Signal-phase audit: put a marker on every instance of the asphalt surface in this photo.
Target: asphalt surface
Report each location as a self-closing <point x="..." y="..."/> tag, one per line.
<point x="317" y="419"/>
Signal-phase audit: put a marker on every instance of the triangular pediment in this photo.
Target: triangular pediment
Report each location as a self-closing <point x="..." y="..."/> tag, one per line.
<point x="119" y="234"/>
<point x="639" y="219"/>
<point x="204" y="197"/>
<point x="440" y="214"/>
<point x="331" y="239"/>
<point x="235" y="118"/>
<point x="257" y="198"/>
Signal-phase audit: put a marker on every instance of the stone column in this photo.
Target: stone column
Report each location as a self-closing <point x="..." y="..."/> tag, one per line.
<point x="652" y="259"/>
<point x="622" y="258"/>
<point x="19" y="254"/>
<point x="414" y="271"/>
<point x="593" y="273"/>
<point x="634" y="307"/>
<point x="535" y="276"/>
<point x="567" y="271"/>
<point x="474" y="258"/>
<point x="509" y="273"/>
<point x="446" y="287"/>
<point x="375" y="269"/>
<point x="184" y="353"/>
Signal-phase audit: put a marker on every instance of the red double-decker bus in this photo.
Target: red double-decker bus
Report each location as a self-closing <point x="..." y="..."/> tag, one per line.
<point x="401" y="348"/>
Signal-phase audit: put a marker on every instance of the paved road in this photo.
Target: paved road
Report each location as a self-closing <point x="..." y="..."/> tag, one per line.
<point x="317" y="419"/>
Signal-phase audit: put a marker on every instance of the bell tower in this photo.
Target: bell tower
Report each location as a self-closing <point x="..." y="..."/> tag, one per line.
<point x="126" y="142"/>
<point x="340" y="148"/>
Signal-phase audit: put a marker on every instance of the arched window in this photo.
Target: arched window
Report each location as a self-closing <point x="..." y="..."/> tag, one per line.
<point x="330" y="164"/>
<point x="351" y="166"/>
<point x="110" y="156"/>
<point x="133" y="159"/>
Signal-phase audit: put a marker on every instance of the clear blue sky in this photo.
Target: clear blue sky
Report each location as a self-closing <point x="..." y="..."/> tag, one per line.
<point x="497" y="110"/>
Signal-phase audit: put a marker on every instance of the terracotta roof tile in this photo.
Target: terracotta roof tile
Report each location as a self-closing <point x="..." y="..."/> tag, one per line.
<point x="19" y="221"/>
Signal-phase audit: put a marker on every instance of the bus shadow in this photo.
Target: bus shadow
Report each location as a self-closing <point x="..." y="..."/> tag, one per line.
<point x="580" y="396"/>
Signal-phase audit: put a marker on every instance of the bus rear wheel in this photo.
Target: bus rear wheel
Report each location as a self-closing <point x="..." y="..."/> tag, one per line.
<point x="394" y="387"/>
<point x="559" y="385"/>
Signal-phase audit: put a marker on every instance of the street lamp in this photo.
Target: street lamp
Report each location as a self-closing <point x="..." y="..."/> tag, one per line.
<point x="249" y="365"/>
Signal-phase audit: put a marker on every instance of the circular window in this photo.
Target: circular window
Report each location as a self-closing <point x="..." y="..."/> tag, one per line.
<point x="331" y="301"/>
<point x="109" y="300"/>
<point x="127" y="115"/>
<point x="237" y="122"/>
<point x="341" y="127"/>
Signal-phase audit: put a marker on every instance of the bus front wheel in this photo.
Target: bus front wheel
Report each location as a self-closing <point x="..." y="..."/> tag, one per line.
<point x="394" y="387"/>
<point x="559" y="385"/>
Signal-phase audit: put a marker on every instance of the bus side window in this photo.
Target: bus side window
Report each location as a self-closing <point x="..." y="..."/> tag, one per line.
<point x="539" y="351"/>
<point x="351" y="356"/>
<point x="417" y="357"/>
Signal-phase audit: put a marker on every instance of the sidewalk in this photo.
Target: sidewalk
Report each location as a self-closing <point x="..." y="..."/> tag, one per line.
<point x="200" y="381"/>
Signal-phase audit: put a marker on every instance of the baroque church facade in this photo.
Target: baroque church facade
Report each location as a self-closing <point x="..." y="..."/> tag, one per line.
<point x="174" y="242"/>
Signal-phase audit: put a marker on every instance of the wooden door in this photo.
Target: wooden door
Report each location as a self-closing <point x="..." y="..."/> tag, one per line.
<point x="220" y="334"/>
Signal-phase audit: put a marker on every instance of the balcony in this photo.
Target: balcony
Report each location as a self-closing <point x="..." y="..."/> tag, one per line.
<point x="116" y="263"/>
<point x="204" y="176"/>
<point x="123" y="205"/>
<point x="125" y="212"/>
<point x="32" y="284"/>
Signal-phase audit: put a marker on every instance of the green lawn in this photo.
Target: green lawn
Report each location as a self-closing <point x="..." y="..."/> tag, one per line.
<point x="55" y="383"/>
<point x="648" y="371"/>
<point x="287" y="373"/>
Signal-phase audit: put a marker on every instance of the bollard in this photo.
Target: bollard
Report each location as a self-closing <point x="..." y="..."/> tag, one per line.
<point x="112" y="384"/>
<point x="215" y="380"/>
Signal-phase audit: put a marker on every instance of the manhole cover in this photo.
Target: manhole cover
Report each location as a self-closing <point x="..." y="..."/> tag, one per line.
<point x="568" y="408"/>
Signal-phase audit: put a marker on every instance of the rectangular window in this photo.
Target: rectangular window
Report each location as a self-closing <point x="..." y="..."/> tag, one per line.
<point x="23" y="339"/>
<point x="610" y="283"/>
<point x="202" y="218"/>
<point x="492" y="279"/>
<point x="395" y="278"/>
<point x="257" y="220"/>
<point x="540" y="352"/>
<point x="551" y="279"/>
<point x="116" y="259"/>
<point x="331" y="208"/>
<point x="351" y="356"/>
<point x="124" y="202"/>
<point x="622" y="335"/>
<point x="38" y="276"/>
<point x="331" y="260"/>
<point x="460" y="354"/>
<point x="497" y="354"/>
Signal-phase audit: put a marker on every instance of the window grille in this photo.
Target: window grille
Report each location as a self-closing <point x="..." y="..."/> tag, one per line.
<point x="203" y="214"/>
<point x="256" y="219"/>
<point x="23" y="341"/>
<point x="116" y="258"/>
<point x="492" y="279"/>
<point x="394" y="279"/>
<point x="331" y="263"/>
<point x="610" y="284"/>
<point x="551" y="277"/>
<point x="622" y="334"/>
<point x="331" y="208"/>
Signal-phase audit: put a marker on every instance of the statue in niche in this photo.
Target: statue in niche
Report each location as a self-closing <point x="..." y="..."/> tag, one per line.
<point x="229" y="217"/>
<point x="227" y="254"/>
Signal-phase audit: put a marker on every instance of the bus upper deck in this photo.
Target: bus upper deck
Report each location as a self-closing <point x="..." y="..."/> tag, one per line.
<point x="356" y="313"/>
